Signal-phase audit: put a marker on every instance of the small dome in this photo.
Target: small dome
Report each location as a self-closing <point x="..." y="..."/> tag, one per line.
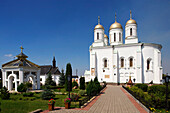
<point x="105" y="36"/>
<point x="131" y="21"/>
<point x="99" y="27"/>
<point x="115" y="26"/>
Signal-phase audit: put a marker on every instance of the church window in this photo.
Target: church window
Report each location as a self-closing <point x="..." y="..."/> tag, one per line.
<point x="119" y="36"/>
<point x="131" y="62"/>
<point x="130" y="31"/>
<point x="105" y="63"/>
<point x="148" y="64"/>
<point x="97" y="36"/>
<point x="122" y="62"/>
<point x="114" y="37"/>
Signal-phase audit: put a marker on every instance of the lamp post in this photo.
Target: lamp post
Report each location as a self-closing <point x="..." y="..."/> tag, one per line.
<point x="134" y="80"/>
<point x="68" y="78"/>
<point x="166" y="81"/>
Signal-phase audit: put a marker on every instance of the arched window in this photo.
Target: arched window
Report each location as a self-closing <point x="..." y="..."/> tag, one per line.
<point x="148" y="64"/>
<point x="97" y="36"/>
<point x="105" y="63"/>
<point x="130" y="31"/>
<point x="114" y="37"/>
<point x="119" y="36"/>
<point x="131" y="62"/>
<point x="122" y="62"/>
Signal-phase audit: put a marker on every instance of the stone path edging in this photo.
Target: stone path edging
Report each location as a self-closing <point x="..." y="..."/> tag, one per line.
<point x="137" y="104"/>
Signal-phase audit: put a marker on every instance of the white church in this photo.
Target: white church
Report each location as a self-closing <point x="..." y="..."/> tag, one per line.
<point x="113" y="61"/>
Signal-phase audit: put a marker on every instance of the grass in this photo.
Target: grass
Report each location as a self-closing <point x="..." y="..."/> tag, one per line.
<point x="19" y="104"/>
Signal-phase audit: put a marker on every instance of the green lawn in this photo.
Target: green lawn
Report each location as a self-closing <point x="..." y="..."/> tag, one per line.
<point x="19" y="104"/>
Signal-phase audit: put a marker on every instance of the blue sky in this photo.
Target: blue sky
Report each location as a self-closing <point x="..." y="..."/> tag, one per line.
<point x="64" y="28"/>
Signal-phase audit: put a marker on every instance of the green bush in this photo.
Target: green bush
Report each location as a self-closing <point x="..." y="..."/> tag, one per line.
<point x="82" y="92"/>
<point x="74" y="96"/>
<point x="82" y="83"/>
<point x="91" y="89"/>
<point x="74" y="83"/>
<point x="5" y="93"/>
<point x="30" y="94"/>
<point x="144" y="87"/>
<point x="97" y="85"/>
<point x="157" y="89"/>
<point x="22" y="88"/>
<point x="47" y="94"/>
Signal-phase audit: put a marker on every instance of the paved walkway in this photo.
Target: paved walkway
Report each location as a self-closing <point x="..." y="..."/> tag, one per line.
<point x="114" y="100"/>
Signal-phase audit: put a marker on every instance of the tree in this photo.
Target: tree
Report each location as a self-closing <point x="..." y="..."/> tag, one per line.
<point x="68" y="73"/>
<point x="97" y="84"/>
<point x="49" y="81"/>
<point x="82" y="83"/>
<point x="62" y="78"/>
<point x="4" y="93"/>
<point x="91" y="89"/>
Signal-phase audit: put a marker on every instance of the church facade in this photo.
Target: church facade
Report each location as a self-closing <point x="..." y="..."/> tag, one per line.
<point x="113" y="61"/>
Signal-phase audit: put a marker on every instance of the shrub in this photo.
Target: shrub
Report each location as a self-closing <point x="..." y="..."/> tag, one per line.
<point x="28" y="85"/>
<point x="144" y="87"/>
<point x="82" y="83"/>
<point x="5" y="93"/>
<point x="22" y="88"/>
<point x="82" y="92"/>
<point x="74" y="84"/>
<point x="91" y="89"/>
<point x="97" y="85"/>
<point x="30" y="94"/>
<point x="47" y="94"/>
<point x="157" y="89"/>
<point x="74" y="96"/>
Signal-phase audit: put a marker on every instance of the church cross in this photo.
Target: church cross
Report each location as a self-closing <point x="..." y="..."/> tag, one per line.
<point x="21" y="49"/>
<point x="115" y="17"/>
<point x="98" y="20"/>
<point x="130" y="14"/>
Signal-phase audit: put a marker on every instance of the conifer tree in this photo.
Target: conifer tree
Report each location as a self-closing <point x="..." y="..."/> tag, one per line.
<point x="62" y="78"/>
<point x="68" y="73"/>
<point x="49" y="81"/>
<point x="82" y="83"/>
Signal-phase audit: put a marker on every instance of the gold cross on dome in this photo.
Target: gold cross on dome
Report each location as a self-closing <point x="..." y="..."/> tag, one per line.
<point x="21" y="49"/>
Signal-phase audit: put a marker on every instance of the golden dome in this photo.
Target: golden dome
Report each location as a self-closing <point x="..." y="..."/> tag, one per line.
<point x="131" y="21"/>
<point x="105" y="36"/>
<point x="99" y="27"/>
<point x="116" y="25"/>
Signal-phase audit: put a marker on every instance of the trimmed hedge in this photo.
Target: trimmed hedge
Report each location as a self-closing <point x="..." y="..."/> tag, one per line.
<point x="30" y="94"/>
<point x="144" y="87"/>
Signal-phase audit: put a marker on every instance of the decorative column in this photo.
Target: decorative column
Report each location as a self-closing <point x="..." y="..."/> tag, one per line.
<point x="21" y="76"/>
<point x="38" y="79"/>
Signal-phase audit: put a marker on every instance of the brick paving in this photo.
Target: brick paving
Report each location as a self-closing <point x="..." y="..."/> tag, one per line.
<point x="114" y="100"/>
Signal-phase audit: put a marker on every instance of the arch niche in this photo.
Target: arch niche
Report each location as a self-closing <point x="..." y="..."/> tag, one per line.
<point x="31" y="79"/>
<point x="12" y="83"/>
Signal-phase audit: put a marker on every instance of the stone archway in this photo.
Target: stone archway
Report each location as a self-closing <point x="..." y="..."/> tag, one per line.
<point x="12" y="84"/>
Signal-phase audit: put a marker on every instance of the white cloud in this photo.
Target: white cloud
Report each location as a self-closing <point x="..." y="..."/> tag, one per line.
<point x="8" y="55"/>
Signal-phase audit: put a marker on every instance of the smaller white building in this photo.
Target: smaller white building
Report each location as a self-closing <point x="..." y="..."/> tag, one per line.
<point x="46" y="69"/>
<point x="19" y="71"/>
